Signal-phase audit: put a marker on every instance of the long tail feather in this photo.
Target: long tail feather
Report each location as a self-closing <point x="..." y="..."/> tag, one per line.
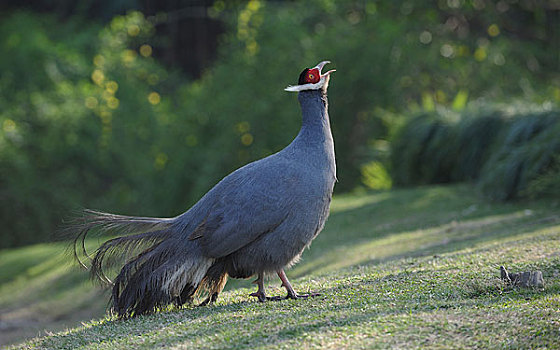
<point x="91" y="220"/>
<point x="157" y="267"/>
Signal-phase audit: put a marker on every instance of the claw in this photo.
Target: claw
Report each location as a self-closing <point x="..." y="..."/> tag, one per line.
<point x="293" y="296"/>
<point x="291" y="292"/>
<point x="260" y="295"/>
<point x="303" y="296"/>
<point x="210" y="300"/>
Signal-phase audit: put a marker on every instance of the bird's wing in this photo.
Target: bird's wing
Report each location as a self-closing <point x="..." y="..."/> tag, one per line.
<point x="250" y="202"/>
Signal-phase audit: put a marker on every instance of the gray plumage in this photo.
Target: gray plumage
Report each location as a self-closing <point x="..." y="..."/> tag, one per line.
<point x="256" y="221"/>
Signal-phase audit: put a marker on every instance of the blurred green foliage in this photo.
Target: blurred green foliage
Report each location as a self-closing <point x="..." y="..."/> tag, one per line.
<point x="78" y="127"/>
<point x="527" y="151"/>
<point x="508" y="156"/>
<point x="391" y="58"/>
<point x="375" y="176"/>
<point x="545" y="184"/>
<point x="89" y="118"/>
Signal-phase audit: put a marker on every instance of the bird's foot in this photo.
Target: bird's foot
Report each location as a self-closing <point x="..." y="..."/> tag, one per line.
<point x="260" y="295"/>
<point x="293" y="296"/>
<point x="210" y="300"/>
<point x="304" y="296"/>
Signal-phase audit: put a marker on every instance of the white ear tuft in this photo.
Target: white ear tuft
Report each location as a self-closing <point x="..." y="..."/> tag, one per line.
<point x="292" y="88"/>
<point x="296" y="88"/>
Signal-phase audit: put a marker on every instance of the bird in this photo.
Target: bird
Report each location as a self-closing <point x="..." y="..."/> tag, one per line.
<point x="256" y="221"/>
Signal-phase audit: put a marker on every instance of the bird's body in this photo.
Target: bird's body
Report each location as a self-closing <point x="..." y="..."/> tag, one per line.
<point x="257" y="220"/>
<point x="279" y="201"/>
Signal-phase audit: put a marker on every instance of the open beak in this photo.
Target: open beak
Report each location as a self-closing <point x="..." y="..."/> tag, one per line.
<point x="320" y="67"/>
<point x="323" y="83"/>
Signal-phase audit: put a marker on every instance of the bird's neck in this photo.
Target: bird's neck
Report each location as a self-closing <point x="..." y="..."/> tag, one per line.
<point x="314" y="144"/>
<point x="315" y="117"/>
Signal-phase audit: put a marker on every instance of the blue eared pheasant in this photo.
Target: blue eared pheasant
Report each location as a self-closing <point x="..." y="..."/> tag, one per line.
<point x="256" y="221"/>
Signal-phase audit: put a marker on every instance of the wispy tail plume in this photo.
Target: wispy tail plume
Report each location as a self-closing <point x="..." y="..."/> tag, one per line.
<point x="157" y="267"/>
<point x="137" y="231"/>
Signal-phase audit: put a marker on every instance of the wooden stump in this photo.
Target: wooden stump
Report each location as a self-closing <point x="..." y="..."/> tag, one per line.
<point x="522" y="279"/>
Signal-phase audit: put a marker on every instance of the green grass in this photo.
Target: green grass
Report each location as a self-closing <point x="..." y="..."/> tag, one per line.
<point x="411" y="268"/>
<point x="40" y="288"/>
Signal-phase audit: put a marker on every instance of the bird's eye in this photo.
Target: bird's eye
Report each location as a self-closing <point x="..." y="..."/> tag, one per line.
<point x="313" y="76"/>
<point x="309" y="76"/>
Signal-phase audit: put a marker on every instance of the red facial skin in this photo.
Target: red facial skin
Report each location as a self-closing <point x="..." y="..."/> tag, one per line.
<point x="313" y="76"/>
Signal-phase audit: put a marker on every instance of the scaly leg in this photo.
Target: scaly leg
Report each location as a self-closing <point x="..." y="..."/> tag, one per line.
<point x="210" y="300"/>
<point x="291" y="292"/>
<point x="216" y="284"/>
<point x="260" y="291"/>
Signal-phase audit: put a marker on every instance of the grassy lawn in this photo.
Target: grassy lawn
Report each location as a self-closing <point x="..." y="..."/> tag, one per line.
<point x="411" y="268"/>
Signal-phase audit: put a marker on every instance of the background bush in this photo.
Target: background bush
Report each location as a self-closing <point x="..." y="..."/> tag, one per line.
<point x="528" y="151"/>
<point x="78" y="127"/>
<point x="509" y="156"/>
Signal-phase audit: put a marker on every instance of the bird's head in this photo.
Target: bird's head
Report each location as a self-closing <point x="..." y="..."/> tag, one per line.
<point x="312" y="79"/>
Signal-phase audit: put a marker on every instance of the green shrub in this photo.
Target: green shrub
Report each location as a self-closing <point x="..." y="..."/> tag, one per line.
<point x="508" y="156"/>
<point x="547" y="184"/>
<point x="531" y="144"/>
<point x="76" y="125"/>
<point x="376" y="177"/>
<point x="476" y="137"/>
<point x="423" y="152"/>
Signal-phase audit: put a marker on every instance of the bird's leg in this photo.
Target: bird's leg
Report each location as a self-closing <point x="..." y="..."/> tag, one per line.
<point x="260" y="291"/>
<point x="286" y="284"/>
<point x="216" y="284"/>
<point x="291" y="292"/>
<point x="210" y="300"/>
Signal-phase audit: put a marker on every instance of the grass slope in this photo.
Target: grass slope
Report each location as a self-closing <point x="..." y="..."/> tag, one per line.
<point x="409" y="269"/>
